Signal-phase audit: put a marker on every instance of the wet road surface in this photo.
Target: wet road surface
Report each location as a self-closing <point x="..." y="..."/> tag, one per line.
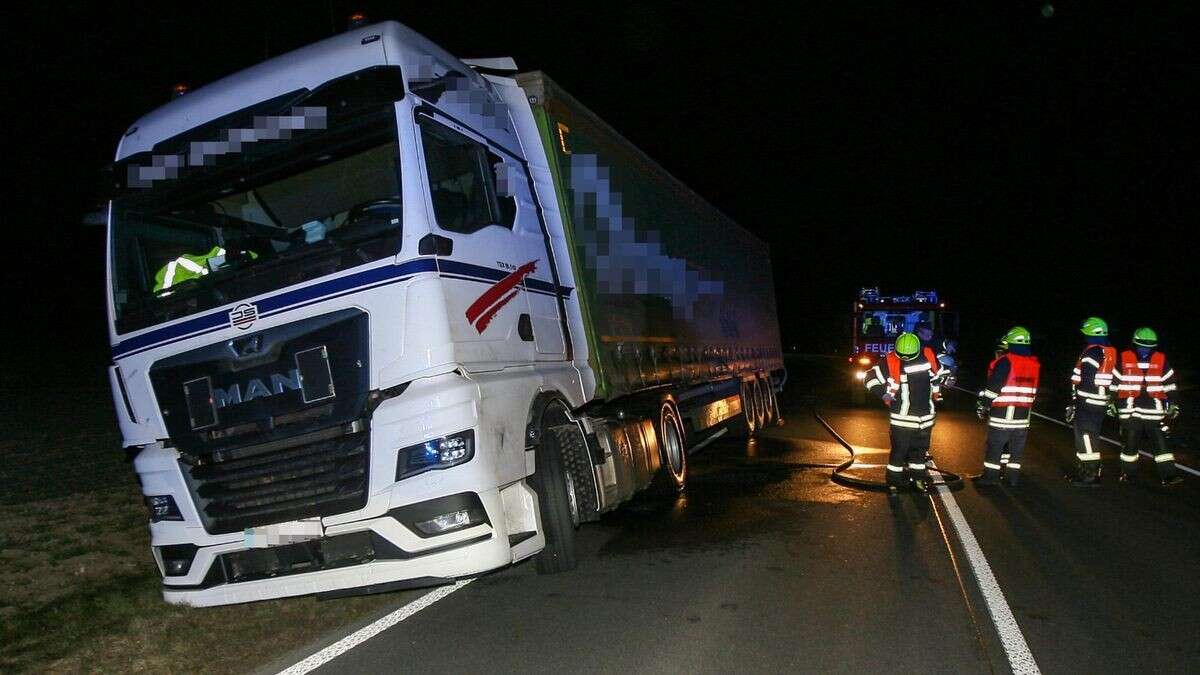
<point x="766" y="565"/>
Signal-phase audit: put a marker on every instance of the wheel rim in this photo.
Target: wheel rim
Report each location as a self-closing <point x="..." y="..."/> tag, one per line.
<point x="672" y="443"/>
<point x="572" y="502"/>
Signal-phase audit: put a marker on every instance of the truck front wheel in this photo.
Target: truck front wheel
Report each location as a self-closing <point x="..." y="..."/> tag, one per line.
<point x="558" y="499"/>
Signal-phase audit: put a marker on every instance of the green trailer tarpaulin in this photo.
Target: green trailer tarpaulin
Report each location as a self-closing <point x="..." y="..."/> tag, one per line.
<point x="672" y="290"/>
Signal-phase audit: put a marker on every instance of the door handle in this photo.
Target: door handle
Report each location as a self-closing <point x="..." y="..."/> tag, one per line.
<point x="525" y="328"/>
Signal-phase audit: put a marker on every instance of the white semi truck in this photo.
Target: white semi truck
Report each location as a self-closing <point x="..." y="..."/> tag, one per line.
<point x="382" y="318"/>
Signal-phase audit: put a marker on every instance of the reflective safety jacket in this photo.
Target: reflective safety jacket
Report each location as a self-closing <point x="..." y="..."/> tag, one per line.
<point x="1143" y="387"/>
<point x="189" y="266"/>
<point x="186" y="266"/>
<point x="1012" y="387"/>
<point x="913" y="385"/>
<point x="1092" y="378"/>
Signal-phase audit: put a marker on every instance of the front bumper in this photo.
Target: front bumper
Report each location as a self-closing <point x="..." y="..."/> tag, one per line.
<point x="408" y="558"/>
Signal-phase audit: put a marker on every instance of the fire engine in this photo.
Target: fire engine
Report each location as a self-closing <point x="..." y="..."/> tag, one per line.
<point x="877" y="320"/>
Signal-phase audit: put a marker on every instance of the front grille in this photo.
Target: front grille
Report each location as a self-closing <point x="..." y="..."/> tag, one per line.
<point x="306" y="477"/>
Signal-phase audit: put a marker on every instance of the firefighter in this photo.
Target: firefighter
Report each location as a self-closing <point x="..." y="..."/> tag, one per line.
<point x="945" y="356"/>
<point x="906" y="380"/>
<point x="1005" y="404"/>
<point x="1145" y="382"/>
<point x="1091" y="390"/>
<point x="942" y="349"/>
<point x="924" y="331"/>
<point x="1000" y="350"/>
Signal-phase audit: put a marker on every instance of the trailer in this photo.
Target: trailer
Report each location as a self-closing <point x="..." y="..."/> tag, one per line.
<point x="384" y="318"/>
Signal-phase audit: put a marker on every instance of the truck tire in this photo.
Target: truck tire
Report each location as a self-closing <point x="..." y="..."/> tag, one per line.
<point x="760" y="404"/>
<point x="558" y="498"/>
<point x="772" y="404"/>
<point x="745" y="425"/>
<point x="672" y="447"/>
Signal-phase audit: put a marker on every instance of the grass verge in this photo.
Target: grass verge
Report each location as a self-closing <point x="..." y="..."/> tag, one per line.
<point x="79" y="591"/>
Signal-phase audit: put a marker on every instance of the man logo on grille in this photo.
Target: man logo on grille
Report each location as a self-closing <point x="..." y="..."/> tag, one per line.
<point x="243" y="316"/>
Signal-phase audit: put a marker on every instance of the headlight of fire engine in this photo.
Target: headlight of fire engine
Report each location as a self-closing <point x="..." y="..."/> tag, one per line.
<point x="163" y="507"/>
<point x="860" y="375"/>
<point x="864" y="360"/>
<point x="438" y="453"/>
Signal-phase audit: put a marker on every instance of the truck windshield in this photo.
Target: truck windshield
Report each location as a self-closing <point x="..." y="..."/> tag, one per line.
<point x="291" y="214"/>
<point x="885" y="323"/>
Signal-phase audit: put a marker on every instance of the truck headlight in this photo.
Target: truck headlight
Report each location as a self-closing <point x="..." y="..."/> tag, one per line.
<point x="860" y="375"/>
<point x="438" y="453"/>
<point x="447" y="522"/>
<point x="163" y="507"/>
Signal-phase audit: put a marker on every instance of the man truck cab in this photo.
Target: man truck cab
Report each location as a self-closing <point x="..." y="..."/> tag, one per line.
<point x="402" y="359"/>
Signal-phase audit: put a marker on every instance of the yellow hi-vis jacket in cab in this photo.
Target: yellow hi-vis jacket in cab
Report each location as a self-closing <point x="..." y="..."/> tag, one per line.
<point x="187" y="266"/>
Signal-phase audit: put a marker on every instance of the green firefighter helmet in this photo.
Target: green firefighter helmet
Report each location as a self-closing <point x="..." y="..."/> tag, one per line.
<point x="1017" y="335"/>
<point x="1094" y="325"/>
<point x="1145" y="337"/>
<point x="908" y="345"/>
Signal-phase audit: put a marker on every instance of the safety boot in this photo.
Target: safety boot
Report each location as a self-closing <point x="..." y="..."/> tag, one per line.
<point x="1012" y="475"/>
<point x="1086" y="476"/>
<point x="1167" y="473"/>
<point x="918" y="476"/>
<point x="1129" y="462"/>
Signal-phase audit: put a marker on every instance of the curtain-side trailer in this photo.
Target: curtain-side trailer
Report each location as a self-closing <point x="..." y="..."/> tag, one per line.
<point x="383" y="318"/>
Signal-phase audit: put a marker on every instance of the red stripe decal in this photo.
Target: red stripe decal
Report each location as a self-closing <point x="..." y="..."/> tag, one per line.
<point x="486" y="319"/>
<point x="498" y="290"/>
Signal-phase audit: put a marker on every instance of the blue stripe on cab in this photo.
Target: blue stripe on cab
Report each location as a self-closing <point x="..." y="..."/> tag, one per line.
<point x="307" y="295"/>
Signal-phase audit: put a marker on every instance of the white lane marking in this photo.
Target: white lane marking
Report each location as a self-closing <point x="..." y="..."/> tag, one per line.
<point x="1106" y="439"/>
<point x="1020" y="659"/>
<point x="367" y="632"/>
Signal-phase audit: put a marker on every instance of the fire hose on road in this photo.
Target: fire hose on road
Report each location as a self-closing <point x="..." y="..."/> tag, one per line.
<point x="950" y="479"/>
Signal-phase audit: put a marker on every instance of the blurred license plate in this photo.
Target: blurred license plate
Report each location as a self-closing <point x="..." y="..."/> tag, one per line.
<point x="283" y="533"/>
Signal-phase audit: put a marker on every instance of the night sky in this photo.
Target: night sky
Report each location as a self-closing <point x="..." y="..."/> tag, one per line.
<point x="1032" y="169"/>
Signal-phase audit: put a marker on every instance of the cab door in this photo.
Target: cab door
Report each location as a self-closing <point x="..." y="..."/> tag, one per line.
<point x="491" y="255"/>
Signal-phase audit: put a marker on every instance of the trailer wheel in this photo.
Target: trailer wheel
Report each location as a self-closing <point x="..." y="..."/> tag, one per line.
<point x="760" y="405"/>
<point x="558" y="498"/>
<point x="745" y="426"/>
<point x="772" y="404"/>
<point x="672" y="449"/>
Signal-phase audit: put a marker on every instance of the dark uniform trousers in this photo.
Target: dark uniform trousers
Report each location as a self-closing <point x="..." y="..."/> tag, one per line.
<point x="1139" y="434"/>
<point x="1088" y="421"/>
<point x="1000" y="439"/>
<point x="909" y="447"/>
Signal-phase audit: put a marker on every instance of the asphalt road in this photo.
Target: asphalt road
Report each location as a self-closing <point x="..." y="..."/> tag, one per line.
<point x="765" y="565"/>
